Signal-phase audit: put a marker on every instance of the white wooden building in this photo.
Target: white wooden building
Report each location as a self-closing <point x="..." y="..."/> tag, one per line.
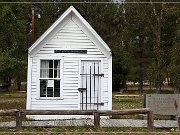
<point x="69" y="68"/>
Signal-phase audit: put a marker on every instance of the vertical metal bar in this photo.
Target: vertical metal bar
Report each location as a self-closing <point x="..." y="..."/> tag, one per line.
<point x="53" y="77"/>
<point x="47" y="75"/>
<point x="82" y="86"/>
<point x="46" y="86"/>
<point x="90" y="85"/>
<point x="94" y="82"/>
<point x="98" y="88"/>
<point x="86" y="85"/>
<point x="82" y="99"/>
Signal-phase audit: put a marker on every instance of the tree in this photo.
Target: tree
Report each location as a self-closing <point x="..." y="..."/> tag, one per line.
<point x="174" y="67"/>
<point x="137" y="41"/>
<point x="13" y="42"/>
<point x="161" y="19"/>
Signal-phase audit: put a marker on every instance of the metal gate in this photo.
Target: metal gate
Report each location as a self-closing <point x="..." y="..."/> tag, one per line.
<point x="90" y="85"/>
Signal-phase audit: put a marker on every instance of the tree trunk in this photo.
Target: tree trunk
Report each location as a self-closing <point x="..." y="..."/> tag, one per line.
<point x="176" y="90"/>
<point x="150" y="85"/>
<point x="141" y="72"/>
<point x="140" y="87"/>
<point x="156" y="28"/>
<point x="116" y="86"/>
<point x="18" y="84"/>
<point x="158" y="87"/>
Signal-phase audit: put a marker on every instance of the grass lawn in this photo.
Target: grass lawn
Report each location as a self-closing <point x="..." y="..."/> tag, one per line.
<point x="17" y="100"/>
<point x="89" y="130"/>
<point x="13" y="100"/>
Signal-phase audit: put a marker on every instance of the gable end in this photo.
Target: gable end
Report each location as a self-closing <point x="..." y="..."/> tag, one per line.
<point x="70" y="14"/>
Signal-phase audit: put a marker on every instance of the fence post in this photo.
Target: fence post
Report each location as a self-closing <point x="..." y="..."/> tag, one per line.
<point x="18" y="120"/>
<point x="150" y="120"/>
<point x="96" y="119"/>
<point x="178" y="122"/>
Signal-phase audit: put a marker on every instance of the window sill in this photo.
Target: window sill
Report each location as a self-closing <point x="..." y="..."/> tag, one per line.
<point x="50" y="98"/>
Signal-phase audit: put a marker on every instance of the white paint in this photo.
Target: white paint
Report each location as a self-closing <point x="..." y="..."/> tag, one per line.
<point x="70" y="32"/>
<point x="110" y="84"/>
<point x="50" y="83"/>
<point x="29" y="76"/>
<point x="71" y="13"/>
<point x="56" y="117"/>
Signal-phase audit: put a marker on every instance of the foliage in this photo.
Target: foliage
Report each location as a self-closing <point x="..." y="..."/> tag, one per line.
<point x="162" y="23"/>
<point x="13" y="41"/>
<point x="142" y="37"/>
<point x="174" y="66"/>
<point x="149" y="37"/>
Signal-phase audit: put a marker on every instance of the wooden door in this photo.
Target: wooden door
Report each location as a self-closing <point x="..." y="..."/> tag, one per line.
<point x="90" y="85"/>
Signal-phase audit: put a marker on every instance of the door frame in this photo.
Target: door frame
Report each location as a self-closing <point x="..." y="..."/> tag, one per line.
<point x="101" y="79"/>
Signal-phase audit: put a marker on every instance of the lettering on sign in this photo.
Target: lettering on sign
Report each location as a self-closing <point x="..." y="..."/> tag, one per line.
<point x="71" y="51"/>
<point x="164" y="104"/>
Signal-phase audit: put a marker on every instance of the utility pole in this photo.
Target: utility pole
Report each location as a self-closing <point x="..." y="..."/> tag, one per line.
<point x="85" y="7"/>
<point x="32" y="27"/>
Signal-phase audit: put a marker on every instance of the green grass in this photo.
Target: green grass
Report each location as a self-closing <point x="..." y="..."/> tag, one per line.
<point x="12" y="100"/>
<point x="127" y="103"/>
<point x="89" y="130"/>
<point x="17" y="100"/>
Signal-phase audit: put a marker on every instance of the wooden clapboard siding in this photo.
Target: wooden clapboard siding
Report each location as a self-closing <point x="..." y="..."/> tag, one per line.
<point x="74" y="56"/>
<point x="54" y="107"/>
<point x="65" y="39"/>
<point x="34" y="79"/>
<point x="105" y="83"/>
<point x="70" y="86"/>
<point x="70" y="36"/>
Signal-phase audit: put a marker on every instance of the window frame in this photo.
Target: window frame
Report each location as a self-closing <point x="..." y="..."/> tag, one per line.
<point x="39" y="78"/>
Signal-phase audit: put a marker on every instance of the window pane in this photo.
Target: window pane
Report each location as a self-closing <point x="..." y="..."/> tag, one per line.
<point x="56" y="69"/>
<point x="56" y="73"/>
<point x="49" y="91"/>
<point x="56" y="88"/>
<point x="43" y="63"/>
<point x="50" y="63"/>
<point x="49" y="87"/>
<point x="50" y="73"/>
<point x="41" y="73"/>
<point x="43" y="84"/>
<point x="44" y="71"/>
<point x="56" y="64"/>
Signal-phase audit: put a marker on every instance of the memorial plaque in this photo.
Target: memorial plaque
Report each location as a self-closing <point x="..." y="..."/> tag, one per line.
<point x="164" y="104"/>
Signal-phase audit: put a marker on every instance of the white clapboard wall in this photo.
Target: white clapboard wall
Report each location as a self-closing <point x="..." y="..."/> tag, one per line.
<point x="69" y="37"/>
<point x="71" y="32"/>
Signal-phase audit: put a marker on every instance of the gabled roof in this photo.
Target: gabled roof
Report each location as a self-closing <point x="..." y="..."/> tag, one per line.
<point x="99" y="41"/>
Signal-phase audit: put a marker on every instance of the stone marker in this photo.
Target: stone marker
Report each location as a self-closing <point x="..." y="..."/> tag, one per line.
<point x="164" y="104"/>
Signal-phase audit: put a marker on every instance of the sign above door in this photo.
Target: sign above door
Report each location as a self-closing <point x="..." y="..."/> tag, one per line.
<point x="71" y="51"/>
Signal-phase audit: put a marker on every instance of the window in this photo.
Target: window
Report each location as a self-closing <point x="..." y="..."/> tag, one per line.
<point x="50" y="78"/>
